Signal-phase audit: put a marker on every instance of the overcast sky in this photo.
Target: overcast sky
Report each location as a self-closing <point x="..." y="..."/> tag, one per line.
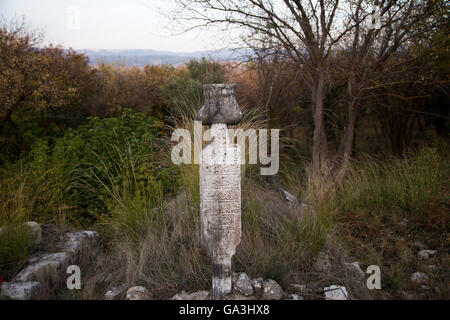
<point x="106" y="24"/>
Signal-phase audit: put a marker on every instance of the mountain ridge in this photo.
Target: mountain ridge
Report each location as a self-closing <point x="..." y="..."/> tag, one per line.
<point x="142" y="57"/>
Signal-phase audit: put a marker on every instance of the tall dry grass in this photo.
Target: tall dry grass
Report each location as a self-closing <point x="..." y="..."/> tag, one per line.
<point x="164" y="252"/>
<point x="125" y="183"/>
<point x="154" y="239"/>
<point x="386" y="208"/>
<point x="278" y="239"/>
<point x="411" y="184"/>
<point x="16" y="206"/>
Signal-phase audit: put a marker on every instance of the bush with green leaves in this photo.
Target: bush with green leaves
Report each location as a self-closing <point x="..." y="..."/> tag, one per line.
<point x="93" y="147"/>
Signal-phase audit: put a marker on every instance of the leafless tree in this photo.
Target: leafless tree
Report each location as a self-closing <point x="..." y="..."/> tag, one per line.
<point x="310" y="32"/>
<point x="369" y="53"/>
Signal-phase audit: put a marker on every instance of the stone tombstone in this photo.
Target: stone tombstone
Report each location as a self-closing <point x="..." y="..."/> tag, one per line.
<point x="220" y="184"/>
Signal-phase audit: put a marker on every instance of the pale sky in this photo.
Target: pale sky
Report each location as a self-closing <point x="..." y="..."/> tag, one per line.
<point x="107" y="24"/>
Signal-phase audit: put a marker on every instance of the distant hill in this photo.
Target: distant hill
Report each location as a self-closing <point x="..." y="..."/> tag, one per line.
<point x="142" y="57"/>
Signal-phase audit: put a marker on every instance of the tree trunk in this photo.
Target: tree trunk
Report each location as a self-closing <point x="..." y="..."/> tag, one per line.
<point x="346" y="145"/>
<point x="320" y="143"/>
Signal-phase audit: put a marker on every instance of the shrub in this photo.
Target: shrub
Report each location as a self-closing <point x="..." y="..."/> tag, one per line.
<point x="99" y="146"/>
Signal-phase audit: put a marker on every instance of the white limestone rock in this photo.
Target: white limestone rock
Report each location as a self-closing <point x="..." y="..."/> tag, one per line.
<point x="335" y="292"/>
<point x="272" y="290"/>
<point x="116" y="293"/>
<point x="41" y="266"/>
<point x="242" y="284"/>
<point x="426" y="254"/>
<point x="355" y="269"/>
<point x="237" y="296"/>
<point x="138" y="293"/>
<point x="20" y="290"/>
<point x="88" y="234"/>
<point x="199" y="295"/>
<point x="71" y="242"/>
<point x="288" y="197"/>
<point x="419" y="278"/>
<point x="257" y="284"/>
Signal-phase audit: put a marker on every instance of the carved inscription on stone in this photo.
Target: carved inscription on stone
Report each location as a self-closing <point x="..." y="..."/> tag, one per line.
<point x="220" y="199"/>
<point x="220" y="185"/>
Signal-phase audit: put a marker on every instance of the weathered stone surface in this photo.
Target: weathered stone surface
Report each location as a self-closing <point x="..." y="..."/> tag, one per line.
<point x="220" y="205"/>
<point x="419" y="278"/>
<point x="40" y="266"/>
<point x="20" y="290"/>
<point x="242" y="284"/>
<point x="199" y="295"/>
<point x="220" y="105"/>
<point x="272" y="290"/>
<point x="426" y="254"/>
<point x="288" y="197"/>
<point x="355" y="269"/>
<point x="87" y="234"/>
<point x="237" y="296"/>
<point x="335" y="292"/>
<point x="138" y="293"/>
<point x="34" y="230"/>
<point x="71" y="242"/>
<point x="116" y="293"/>
<point x="258" y="286"/>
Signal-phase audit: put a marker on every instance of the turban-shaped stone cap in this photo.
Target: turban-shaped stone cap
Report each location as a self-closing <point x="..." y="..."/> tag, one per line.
<point x="220" y="105"/>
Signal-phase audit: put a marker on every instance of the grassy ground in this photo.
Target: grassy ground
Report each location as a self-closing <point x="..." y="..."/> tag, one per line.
<point x="382" y="214"/>
<point x="361" y="219"/>
<point x="389" y="211"/>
